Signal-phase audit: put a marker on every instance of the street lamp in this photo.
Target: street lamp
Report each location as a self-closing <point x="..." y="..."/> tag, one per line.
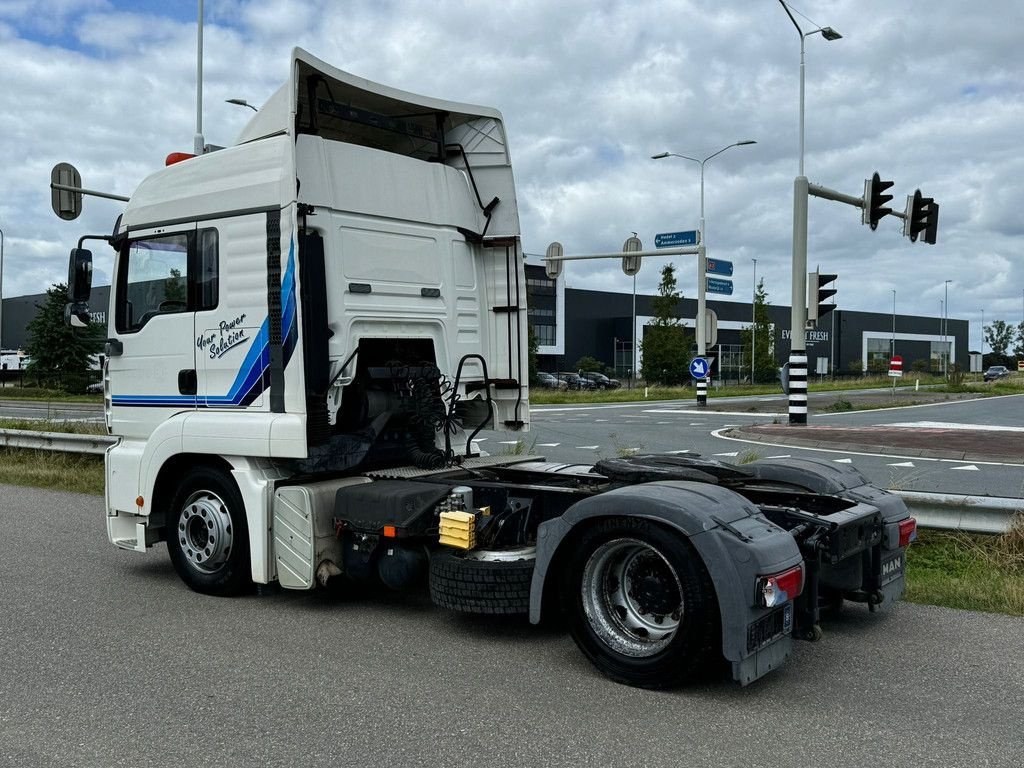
<point x="983" y="338"/>
<point x="798" y="313"/>
<point x="753" y="324"/>
<point x="1" y="290"/>
<point x="892" y="352"/>
<point x="241" y="103"/>
<point x="702" y="397"/>
<point x="945" y="328"/>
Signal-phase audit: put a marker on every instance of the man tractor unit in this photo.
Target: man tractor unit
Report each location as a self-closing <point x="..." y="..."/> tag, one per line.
<point x="308" y="328"/>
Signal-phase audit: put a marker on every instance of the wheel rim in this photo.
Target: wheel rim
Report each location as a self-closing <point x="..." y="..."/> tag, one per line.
<point x="632" y="597"/>
<point x="205" y="532"/>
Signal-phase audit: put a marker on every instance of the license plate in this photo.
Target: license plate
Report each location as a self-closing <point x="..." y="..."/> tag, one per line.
<point x="892" y="568"/>
<point x="770" y="628"/>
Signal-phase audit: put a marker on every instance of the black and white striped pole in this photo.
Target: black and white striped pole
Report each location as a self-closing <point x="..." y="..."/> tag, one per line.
<point x="798" y="316"/>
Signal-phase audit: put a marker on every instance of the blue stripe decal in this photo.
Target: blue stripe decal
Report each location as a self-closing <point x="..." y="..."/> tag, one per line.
<point x="253" y="375"/>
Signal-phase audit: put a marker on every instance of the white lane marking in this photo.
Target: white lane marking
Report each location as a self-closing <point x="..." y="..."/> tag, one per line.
<point x="783" y="456"/>
<point x="598" y="421"/>
<point x="843" y="461"/>
<point x="697" y="423"/>
<point x="969" y="467"/>
<point x="588" y="447"/>
<point x="902" y="464"/>
<point x="479" y="439"/>
<point x="734" y="453"/>
<point x="749" y="414"/>
<point x="508" y="442"/>
<point x="717" y="433"/>
<point x="548" y="445"/>
<point x="685" y="450"/>
<point x="665" y="422"/>
<point x="953" y="425"/>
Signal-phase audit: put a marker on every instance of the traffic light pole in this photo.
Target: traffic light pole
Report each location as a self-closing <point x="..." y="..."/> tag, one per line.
<point x="798" y="316"/>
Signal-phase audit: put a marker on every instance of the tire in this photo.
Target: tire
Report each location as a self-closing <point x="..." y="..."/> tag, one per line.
<point x="209" y="506"/>
<point x="660" y="638"/>
<point x="459" y="581"/>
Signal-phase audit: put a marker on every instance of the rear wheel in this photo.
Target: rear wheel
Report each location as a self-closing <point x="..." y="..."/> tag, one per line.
<point x="641" y="604"/>
<point x="207" y="536"/>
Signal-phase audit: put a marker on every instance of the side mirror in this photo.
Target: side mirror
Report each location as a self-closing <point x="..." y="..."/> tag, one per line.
<point x="79" y="275"/>
<point x="76" y="314"/>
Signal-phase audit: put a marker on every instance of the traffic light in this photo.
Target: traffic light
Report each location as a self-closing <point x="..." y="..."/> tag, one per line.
<point x="922" y="216"/>
<point x="874" y="200"/>
<point x="818" y="293"/>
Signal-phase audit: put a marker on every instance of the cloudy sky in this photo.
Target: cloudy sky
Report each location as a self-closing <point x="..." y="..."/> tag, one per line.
<point x="930" y="94"/>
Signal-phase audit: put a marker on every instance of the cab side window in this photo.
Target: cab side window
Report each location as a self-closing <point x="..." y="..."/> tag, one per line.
<point x="166" y="275"/>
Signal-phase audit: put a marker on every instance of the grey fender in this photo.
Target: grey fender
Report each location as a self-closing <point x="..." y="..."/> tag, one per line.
<point x="835" y="480"/>
<point x="735" y="542"/>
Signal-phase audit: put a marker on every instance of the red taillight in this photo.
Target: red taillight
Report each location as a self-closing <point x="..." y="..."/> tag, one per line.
<point x="177" y="157"/>
<point x="908" y="531"/>
<point x="782" y="587"/>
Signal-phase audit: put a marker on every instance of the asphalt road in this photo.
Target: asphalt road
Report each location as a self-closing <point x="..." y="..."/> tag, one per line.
<point x="108" y="660"/>
<point x="586" y="433"/>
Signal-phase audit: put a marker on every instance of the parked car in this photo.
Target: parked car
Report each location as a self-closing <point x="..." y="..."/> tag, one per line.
<point x="601" y="381"/>
<point x="996" y="372"/>
<point x="575" y="381"/>
<point x="548" y="381"/>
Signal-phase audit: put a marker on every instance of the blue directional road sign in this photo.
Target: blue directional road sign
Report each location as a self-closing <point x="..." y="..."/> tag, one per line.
<point x="719" y="267"/>
<point x="699" y="368"/>
<point x="717" y="285"/>
<point x="675" y="239"/>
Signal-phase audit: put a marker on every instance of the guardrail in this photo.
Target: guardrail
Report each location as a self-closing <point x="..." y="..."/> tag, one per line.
<point x="945" y="511"/>
<point x="955" y="512"/>
<point x="63" y="442"/>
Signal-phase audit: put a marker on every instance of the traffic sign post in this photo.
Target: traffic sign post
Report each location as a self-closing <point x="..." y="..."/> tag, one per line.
<point x="674" y="239"/>
<point x="718" y="285"/>
<point x="720" y="267"/>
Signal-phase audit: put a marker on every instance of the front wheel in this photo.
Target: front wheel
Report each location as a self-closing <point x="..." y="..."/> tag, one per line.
<point x="207" y="536"/>
<point x="641" y="604"/>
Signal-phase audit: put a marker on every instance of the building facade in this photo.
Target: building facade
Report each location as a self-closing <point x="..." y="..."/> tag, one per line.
<point x="572" y="323"/>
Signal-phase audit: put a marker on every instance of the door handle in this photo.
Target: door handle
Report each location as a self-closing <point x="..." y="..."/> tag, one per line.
<point x="188" y="383"/>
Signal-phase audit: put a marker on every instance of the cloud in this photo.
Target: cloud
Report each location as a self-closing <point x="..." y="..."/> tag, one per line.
<point x="589" y="90"/>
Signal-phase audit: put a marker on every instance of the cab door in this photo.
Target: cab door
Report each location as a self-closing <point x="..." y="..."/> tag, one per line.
<point x="152" y="357"/>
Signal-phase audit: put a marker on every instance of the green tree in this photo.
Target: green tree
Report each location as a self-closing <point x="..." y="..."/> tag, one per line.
<point x="765" y="365"/>
<point x="666" y="344"/>
<point x="999" y="335"/>
<point x="57" y="351"/>
<point x="589" y="363"/>
<point x="1018" y="347"/>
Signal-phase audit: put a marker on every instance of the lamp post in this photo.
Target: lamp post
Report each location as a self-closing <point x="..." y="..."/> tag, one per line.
<point x="200" y="143"/>
<point x="702" y="384"/>
<point x="983" y="339"/>
<point x="945" y="329"/>
<point x="1" y="290"/>
<point x="241" y="103"/>
<point x="798" y="314"/>
<point x="753" y="325"/>
<point x="892" y="350"/>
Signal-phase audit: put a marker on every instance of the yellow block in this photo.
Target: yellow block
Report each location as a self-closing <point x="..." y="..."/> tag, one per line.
<point x="458" y="529"/>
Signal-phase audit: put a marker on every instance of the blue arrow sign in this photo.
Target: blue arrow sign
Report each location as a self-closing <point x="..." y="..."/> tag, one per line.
<point x="699" y="368"/>
<point x="717" y="285"/>
<point x="675" y="239"/>
<point x="719" y="267"/>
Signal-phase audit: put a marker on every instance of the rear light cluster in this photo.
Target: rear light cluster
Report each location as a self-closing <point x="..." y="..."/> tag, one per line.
<point x="780" y="588"/>
<point x="908" y="531"/>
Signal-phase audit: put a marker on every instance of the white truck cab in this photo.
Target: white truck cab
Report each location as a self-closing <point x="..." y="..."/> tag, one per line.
<point x="307" y="329"/>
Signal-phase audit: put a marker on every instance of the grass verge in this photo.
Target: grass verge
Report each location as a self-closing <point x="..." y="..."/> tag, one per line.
<point x="72" y="472"/>
<point x="46" y="395"/>
<point x="67" y="427"/>
<point x="969" y="571"/>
